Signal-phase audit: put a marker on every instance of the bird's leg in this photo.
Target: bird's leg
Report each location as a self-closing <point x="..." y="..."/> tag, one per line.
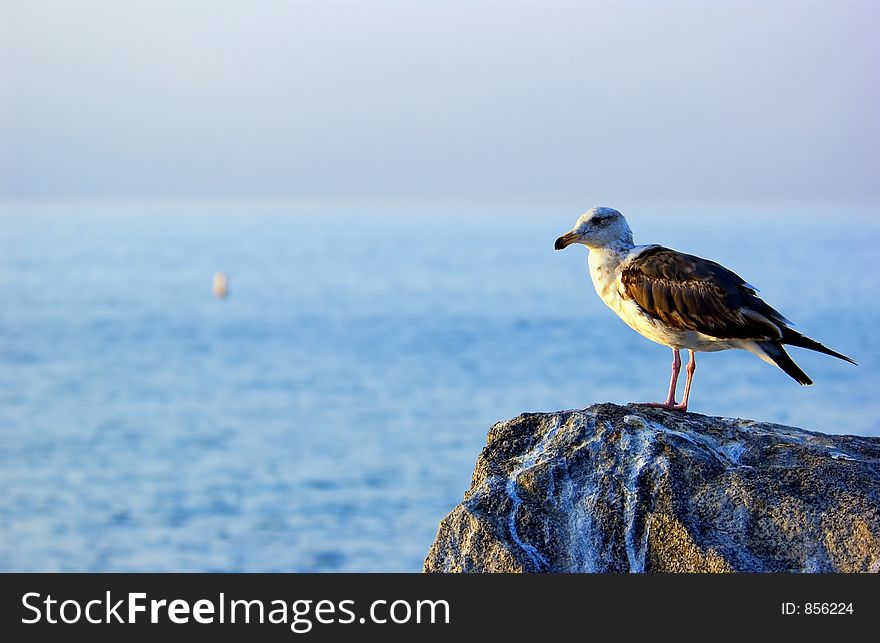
<point x="673" y="383"/>
<point x="691" y="368"/>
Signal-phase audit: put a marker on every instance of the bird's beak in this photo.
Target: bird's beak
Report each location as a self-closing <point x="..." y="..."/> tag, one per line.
<point x="566" y="240"/>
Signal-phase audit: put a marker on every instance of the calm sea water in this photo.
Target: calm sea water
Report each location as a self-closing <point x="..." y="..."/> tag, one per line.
<point x="328" y="413"/>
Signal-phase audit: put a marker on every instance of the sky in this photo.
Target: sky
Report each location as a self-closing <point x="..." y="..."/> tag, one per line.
<point x="459" y="100"/>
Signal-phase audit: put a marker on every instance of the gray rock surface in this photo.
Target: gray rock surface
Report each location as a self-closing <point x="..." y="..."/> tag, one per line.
<point x="629" y="489"/>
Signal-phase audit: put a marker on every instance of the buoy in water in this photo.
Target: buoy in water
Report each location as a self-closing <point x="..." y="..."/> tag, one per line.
<point x="221" y="285"/>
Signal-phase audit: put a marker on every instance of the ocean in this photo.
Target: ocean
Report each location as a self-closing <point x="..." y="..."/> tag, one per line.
<point x="327" y="414"/>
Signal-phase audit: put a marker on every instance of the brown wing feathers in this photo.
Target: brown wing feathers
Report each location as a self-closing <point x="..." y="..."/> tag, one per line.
<point x="691" y="293"/>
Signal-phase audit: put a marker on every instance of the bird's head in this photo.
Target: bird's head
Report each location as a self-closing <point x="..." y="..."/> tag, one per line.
<point x="598" y="228"/>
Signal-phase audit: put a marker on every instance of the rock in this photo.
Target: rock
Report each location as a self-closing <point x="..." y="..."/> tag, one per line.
<point x="630" y="489"/>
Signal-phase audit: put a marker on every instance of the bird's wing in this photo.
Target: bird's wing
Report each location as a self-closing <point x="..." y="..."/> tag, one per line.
<point x="690" y="293"/>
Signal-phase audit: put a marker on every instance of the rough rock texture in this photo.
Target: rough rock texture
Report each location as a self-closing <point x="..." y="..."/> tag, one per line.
<point x="629" y="489"/>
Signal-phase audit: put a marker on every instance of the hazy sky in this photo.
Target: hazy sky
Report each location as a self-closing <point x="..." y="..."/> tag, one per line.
<point x="449" y="99"/>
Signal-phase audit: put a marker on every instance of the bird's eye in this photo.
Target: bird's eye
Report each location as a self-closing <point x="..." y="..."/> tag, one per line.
<point x="595" y="221"/>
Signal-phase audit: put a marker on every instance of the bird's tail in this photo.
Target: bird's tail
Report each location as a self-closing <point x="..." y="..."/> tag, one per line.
<point x="794" y="338"/>
<point x="774" y="352"/>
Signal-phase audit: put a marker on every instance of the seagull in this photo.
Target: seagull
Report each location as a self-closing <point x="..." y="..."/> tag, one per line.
<point x="682" y="301"/>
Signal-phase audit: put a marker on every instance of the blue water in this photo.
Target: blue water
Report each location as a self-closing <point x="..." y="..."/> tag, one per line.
<point x="328" y="413"/>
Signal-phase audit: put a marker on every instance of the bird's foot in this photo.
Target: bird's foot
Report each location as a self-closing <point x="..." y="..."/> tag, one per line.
<point x="667" y="406"/>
